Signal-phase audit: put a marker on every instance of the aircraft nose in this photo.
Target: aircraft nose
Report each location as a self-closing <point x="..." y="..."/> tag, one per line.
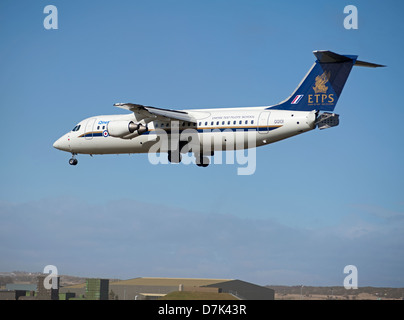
<point x="56" y="144"/>
<point x="61" y="144"/>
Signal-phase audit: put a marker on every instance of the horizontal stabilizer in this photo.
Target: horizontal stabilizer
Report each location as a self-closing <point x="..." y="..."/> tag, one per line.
<point x="325" y="56"/>
<point x="368" y="64"/>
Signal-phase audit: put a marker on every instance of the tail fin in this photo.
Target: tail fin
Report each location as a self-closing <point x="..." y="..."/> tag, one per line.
<point x="322" y="86"/>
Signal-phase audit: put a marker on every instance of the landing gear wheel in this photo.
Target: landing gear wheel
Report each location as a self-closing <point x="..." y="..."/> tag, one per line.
<point x="73" y="161"/>
<point x="174" y="156"/>
<point x="202" y="161"/>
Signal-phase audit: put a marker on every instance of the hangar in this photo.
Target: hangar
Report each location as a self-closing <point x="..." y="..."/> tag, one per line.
<point x="146" y="288"/>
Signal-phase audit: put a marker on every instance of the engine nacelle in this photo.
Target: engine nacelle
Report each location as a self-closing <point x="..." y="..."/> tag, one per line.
<point x="140" y="130"/>
<point x="121" y="128"/>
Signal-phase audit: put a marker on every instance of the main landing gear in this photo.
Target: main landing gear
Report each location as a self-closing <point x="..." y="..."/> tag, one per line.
<point x="175" y="157"/>
<point x="73" y="161"/>
<point x="202" y="161"/>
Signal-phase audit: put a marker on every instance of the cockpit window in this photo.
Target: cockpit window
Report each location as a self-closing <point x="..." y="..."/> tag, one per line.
<point x="76" y="128"/>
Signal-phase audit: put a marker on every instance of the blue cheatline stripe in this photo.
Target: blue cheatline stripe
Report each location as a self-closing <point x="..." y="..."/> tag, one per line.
<point x="206" y="130"/>
<point x="213" y="129"/>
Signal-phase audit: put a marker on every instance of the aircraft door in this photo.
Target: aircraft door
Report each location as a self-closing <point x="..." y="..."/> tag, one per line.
<point x="263" y="122"/>
<point x="88" y="132"/>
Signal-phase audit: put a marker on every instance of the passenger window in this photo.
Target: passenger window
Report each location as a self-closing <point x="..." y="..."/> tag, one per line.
<point x="206" y="123"/>
<point x="211" y="123"/>
<point x="217" y="123"/>
<point x="222" y="122"/>
<point x="98" y="127"/>
<point x="246" y="122"/>
<point x="228" y="122"/>
<point x="252" y="121"/>
<point x="240" y="122"/>
<point x="234" y="122"/>
<point x="200" y="123"/>
<point x="103" y="127"/>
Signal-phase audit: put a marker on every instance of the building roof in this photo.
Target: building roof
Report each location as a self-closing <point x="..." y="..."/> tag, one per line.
<point x="191" y="282"/>
<point x="150" y="281"/>
<point x="246" y="290"/>
<point x="21" y="286"/>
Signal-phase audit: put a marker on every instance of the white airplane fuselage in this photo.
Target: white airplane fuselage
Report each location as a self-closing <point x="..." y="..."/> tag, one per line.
<point x="221" y="127"/>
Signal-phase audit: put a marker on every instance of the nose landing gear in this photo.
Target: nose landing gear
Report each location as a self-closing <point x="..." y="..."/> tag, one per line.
<point x="73" y="161"/>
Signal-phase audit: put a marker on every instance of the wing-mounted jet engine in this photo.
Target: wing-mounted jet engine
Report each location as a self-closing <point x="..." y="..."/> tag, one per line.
<point x="125" y="129"/>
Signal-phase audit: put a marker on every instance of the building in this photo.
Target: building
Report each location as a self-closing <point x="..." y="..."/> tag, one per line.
<point x="48" y="294"/>
<point x="153" y="288"/>
<point x="245" y="290"/>
<point x="97" y="289"/>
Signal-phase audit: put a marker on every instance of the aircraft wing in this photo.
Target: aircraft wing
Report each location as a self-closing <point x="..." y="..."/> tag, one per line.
<point x="156" y="113"/>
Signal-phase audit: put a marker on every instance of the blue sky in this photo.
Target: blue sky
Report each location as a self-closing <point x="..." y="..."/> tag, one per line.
<point x="316" y="203"/>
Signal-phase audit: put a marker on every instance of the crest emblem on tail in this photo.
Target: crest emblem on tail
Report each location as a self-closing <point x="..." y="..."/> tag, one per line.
<point x="321" y="80"/>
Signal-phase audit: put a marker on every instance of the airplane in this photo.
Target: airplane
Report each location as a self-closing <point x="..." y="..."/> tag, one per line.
<point x="310" y="106"/>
